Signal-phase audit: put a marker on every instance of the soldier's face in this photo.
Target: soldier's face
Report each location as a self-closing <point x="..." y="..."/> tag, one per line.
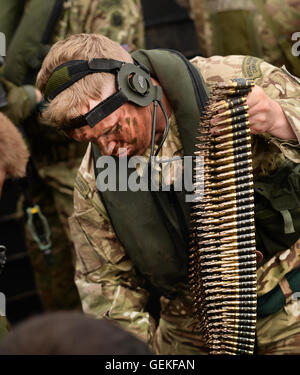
<point x="129" y="128"/>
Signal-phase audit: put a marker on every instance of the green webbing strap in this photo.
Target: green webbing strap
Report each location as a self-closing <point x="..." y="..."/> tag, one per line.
<point x="282" y="41"/>
<point x="288" y="222"/>
<point x="182" y="92"/>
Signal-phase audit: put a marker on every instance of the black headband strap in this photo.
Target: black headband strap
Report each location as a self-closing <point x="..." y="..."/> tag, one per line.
<point x="105" y="108"/>
<point x="98" y="113"/>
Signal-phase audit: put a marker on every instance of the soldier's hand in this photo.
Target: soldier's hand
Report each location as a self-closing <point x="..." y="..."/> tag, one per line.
<point x="267" y="116"/>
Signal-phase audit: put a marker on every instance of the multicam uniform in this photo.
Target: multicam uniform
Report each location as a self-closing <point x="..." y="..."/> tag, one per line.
<point x="121" y="21"/>
<point x="238" y="27"/>
<point x="58" y="158"/>
<point x="108" y="283"/>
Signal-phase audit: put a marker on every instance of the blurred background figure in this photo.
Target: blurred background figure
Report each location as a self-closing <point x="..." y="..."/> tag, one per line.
<point x="13" y="151"/>
<point x="13" y="159"/>
<point x="261" y="28"/>
<point x="70" y="333"/>
<point x="31" y="27"/>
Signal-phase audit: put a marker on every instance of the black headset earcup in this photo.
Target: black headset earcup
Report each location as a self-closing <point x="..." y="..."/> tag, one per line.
<point x="136" y="84"/>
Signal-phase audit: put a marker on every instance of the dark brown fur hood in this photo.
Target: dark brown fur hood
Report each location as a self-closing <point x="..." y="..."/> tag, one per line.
<point x="13" y="151"/>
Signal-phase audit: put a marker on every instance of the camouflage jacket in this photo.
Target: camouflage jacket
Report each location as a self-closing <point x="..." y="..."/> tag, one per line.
<point x="105" y="276"/>
<point x="226" y="27"/>
<point x="119" y="20"/>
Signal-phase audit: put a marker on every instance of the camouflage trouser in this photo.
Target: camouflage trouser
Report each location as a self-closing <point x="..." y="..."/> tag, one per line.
<point x="276" y="334"/>
<point x="55" y="283"/>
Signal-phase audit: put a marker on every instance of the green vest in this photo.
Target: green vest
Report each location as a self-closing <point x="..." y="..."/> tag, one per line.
<point x="153" y="227"/>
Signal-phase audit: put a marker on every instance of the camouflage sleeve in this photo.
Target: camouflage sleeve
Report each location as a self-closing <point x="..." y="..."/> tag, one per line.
<point x="281" y="86"/>
<point x="120" y="20"/>
<point x="276" y="83"/>
<point x="273" y="271"/>
<point x="105" y="277"/>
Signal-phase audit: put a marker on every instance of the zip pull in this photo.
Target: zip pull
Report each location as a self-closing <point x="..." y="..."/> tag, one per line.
<point x="40" y="231"/>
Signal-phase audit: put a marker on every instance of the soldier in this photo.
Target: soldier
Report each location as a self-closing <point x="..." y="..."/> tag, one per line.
<point x="262" y="28"/>
<point x="14" y="157"/>
<point x="122" y="242"/>
<point x="57" y="158"/>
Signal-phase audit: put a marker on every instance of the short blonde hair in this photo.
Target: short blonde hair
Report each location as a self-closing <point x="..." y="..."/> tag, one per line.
<point x="68" y="104"/>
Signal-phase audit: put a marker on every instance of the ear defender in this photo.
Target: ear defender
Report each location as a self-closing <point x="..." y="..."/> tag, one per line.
<point x="136" y="84"/>
<point x="133" y="84"/>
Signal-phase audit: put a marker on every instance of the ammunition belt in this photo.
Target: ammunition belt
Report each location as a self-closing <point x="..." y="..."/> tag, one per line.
<point x="222" y="269"/>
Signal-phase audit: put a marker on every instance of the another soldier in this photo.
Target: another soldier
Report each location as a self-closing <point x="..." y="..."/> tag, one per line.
<point x="30" y="32"/>
<point x="127" y="241"/>
<point x="261" y="28"/>
<point x="13" y="160"/>
<point x="62" y="333"/>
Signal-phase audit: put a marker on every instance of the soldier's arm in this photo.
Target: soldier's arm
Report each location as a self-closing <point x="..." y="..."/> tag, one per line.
<point x="267" y="116"/>
<point x="105" y="277"/>
<point x="22" y="101"/>
<point x="278" y="104"/>
<point x="284" y="89"/>
<point x="278" y="85"/>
